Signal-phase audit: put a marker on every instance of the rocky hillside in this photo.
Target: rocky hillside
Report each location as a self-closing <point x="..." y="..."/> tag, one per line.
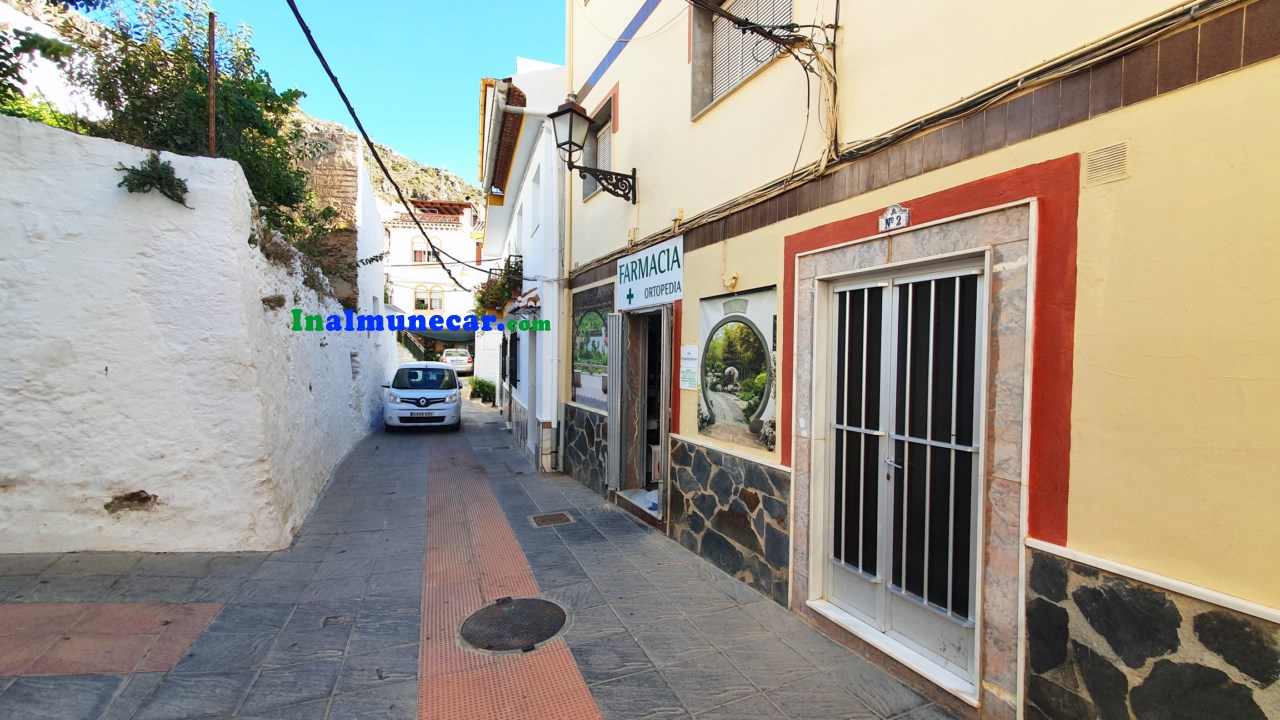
<point x="414" y="178"/>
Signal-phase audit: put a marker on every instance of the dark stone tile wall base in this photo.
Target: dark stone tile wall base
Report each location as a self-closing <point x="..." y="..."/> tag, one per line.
<point x="585" y="447"/>
<point x="1102" y="646"/>
<point x="733" y="512"/>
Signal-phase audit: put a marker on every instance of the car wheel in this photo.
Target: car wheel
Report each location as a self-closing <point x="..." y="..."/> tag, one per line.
<point x="389" y="428"/>
<point x="456" y="426"/>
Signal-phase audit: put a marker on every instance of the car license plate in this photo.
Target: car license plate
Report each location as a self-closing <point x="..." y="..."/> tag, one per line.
<point x="423" y="413"/>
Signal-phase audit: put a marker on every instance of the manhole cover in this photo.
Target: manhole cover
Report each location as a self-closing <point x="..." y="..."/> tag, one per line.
<point x="548" y="519"/>
<point x="513" y="624"/>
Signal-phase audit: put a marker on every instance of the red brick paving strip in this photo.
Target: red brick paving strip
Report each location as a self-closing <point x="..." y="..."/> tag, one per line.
<point x="86" y="638"/>
<point x="472" y="560"/>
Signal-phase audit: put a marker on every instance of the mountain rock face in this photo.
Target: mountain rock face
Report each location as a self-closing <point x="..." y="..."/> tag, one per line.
<point x="414" y="178"/>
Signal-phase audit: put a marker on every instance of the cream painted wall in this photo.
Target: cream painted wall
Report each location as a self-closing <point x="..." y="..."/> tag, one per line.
<point x="896" y="61"/>
<point x="1176" y="394"/>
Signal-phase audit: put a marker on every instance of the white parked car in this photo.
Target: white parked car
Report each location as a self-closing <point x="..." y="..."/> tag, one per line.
<point x="459" y="359"/>
<point x="423" y="393"/>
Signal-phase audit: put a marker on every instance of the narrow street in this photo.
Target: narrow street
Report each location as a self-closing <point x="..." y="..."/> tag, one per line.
<point x="338" y="626"/>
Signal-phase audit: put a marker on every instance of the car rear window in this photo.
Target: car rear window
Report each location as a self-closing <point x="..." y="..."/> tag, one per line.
<point x="424" y="379"/>
<point x="456" y="353"/>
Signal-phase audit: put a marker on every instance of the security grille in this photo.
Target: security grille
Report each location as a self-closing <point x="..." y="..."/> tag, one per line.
<point x="906" y="371"/>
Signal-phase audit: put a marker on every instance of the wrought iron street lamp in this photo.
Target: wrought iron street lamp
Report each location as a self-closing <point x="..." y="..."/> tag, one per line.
<point x="571" y="124"/>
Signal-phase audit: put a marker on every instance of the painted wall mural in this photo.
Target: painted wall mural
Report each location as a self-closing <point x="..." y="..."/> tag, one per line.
<point x="737" y="374"/>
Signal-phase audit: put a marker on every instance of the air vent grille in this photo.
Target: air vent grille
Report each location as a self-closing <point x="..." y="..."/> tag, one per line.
<point x="1106" y="164"/>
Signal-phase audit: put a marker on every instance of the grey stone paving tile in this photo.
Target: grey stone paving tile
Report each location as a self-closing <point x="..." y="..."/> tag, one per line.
<point x="191" y="565"/>
<point x="394" y="583"/>
<point x="702" y="600"/>
<point x="282" y="570"/>
<point x="592" y="624"/>
<point x="277" y="687"/>
<point x="59" y="697"/>
<point x="250" y="619"/>
<point x="642" y="695"/>
<point x="637" y="611"/>
<point x="331" y="589"/>
<point x="139" y="688"/>
<point x="560" y="576"/>
<point x="374" y="608"/>
<point x="238" y="565"/>
<point x="292" y="648"/>
<point x="150" y="588"/>
<point x="389" y="631"/>
<point x="366" y="671"/>
<point x="775" y="617"/>
<point x="66" y="588"/>
<point x="15" y="584"/>
<point x="5" y="682"/>
<point x="342" y="568"/>
<point x="392" y="701"/>
<point x="730" y="628"/>
<point x="93" y="564"/>
<point x="363" y="551"/>
<point x="180" y="697"/>
<point x="310" y="553"/>
<point x="617" y="573"/>
<point x="214" y="589"/>
<point x="877" y="689"/>
<point x="269" y="592"/>
<point x="755" y="706"/>
<point x="817" y="649"/>
<point x="738" y="591"/>
<point x="578" y="596"/>
<point x="549" y="557"/>
<point x="819" y="698"/>
<point x="317" y="616"/>
<point x="769" y="664"/>
<point x="314" y="710"/>
<point x="28" y="563"/>
<point x="929" y="712"/>
<point x="609" y="657"/>
<point x="226" y="652"/>
<point x="670" y="643"/>
<point x="707" y="682"/>
<point x="397" y="563"/>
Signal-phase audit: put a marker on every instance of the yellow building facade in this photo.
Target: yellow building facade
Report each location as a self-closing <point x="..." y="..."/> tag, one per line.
<point x="975" y="360"/>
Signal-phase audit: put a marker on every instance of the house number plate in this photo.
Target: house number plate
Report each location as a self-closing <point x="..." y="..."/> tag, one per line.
<point x="895" y="218"/>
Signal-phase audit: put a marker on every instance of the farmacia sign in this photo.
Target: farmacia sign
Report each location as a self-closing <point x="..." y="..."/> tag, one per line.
<point x="652" y="276"/>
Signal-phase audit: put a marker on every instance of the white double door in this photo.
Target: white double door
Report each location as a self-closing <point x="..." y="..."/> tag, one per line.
<point x="905" y="477"/>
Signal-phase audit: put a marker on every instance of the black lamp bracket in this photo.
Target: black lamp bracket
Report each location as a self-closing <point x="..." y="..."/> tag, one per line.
<point x="617" y="184"/>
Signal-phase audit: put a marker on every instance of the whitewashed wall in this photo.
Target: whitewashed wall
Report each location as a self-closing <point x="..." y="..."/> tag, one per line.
<point x="137" y="355"/>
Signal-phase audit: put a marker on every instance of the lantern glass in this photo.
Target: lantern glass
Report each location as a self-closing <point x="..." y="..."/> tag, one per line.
<point x="570" y="124"/>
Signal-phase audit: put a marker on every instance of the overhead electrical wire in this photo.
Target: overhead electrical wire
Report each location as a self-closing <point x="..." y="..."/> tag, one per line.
<point x="374" y="151"/>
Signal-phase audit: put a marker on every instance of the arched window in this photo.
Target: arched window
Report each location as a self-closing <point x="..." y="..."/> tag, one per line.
<point x="436" y="298"/>
<point x="421" y="298"/>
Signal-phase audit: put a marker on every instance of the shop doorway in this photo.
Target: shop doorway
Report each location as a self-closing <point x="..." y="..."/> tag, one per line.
<point x="640" y="410"/>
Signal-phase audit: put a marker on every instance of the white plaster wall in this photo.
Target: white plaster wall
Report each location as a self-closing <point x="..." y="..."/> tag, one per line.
<point x="137" y="355"/>
<point x="488" y="347"/>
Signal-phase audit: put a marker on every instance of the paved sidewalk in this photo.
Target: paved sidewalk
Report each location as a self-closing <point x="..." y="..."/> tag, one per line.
<point x="330" y="629"/>
<point x="657" y="632"/>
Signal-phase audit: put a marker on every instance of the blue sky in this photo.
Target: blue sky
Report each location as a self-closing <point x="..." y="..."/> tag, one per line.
<point x="411" y="69"/>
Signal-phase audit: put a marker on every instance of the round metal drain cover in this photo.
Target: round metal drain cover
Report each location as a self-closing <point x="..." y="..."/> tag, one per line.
<point x="518" y="624"/>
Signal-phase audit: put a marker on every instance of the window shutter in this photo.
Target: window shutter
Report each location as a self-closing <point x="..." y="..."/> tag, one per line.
<point x="604" y="147"/>
<point x="735" y="55"/>
<point x="589" y="185"/>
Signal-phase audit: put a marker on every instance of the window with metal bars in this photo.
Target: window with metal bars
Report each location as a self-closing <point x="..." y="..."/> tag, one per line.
<point x="905" y="394"/>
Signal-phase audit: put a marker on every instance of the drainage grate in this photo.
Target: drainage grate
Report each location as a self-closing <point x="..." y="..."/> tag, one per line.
<point x="513" y="624"/>
<point x="557" y="518"/>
